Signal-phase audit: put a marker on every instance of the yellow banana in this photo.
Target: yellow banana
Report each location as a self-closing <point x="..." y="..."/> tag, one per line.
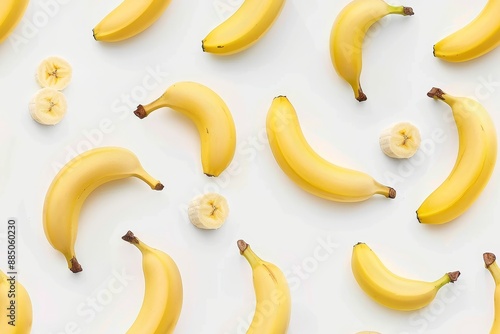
<point x="162" y="303"/>
<point x="309" y="170"/>
<point x="273" y="309"/>
<point x="492" y="266"/>
<point x="389" y="289"/>
<point x="22" y="317"/>
<point x="244" y="28"/>
<point x="475" y="39"/>
<point x="74" y="183"/>
<point x="474" y="165"/>
<point x="130" y="18"/>
<point x="11" y="13"/>
<point x="211" y="116"/>
<point x="347" y="35"/>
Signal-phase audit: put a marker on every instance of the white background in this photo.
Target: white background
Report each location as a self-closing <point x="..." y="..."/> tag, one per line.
<point x="283" y="223"/>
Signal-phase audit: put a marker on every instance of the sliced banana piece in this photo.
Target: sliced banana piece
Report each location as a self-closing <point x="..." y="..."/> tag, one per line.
<point x="208" y="211"/>
<point x="48" y="106"/>
<point x="54" y="72"/>
<point x="400" y="141"/>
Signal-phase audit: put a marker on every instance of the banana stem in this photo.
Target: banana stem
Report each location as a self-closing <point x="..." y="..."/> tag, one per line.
<point x="247" y="252"/>
<point x="151" y="181"/>
<point x="450" y="277"/>
<point x="132" y="239"/>
<point x="492" y="266"/>
<point x="385" y="190"/>
<point x="437" y="93"/>
<point x="406" y="11"/>
<point x="144" y="110"/>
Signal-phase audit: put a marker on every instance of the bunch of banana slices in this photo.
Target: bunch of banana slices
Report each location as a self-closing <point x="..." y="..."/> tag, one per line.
<point x="48" y="106"/>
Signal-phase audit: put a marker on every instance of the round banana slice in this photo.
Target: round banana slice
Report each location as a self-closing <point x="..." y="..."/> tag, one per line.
<point x="208" y="211"/>
<point x="48" y="106"/>
<point x="400" y="141"/>
<point x="54" y="72"/>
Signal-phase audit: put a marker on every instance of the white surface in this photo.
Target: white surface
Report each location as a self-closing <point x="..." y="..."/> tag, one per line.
<point x="282" y="222"/>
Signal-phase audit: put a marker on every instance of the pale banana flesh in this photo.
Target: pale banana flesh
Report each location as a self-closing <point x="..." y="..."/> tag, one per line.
<point x="273" y="309"/>
<point x="54" y="72"/>
<point x="389" y="289"/>
<point x="492" y="266"/>
<point x="244" y="28"/>
<point x="208" y="211"/>
<point x="24" y="308"/>
<point x="163" y="296"/>
<point x="475" y="162"/>
<point x="11" y="13"/>
<point x="400" y="140"/>
<point x="348" y="33"/>
<point x="477" y="38"/>
<point x="74" y="183"/>
<point x="308" y="169"/>
<point x="130" y="18"/>
<point x="48" y="106"/>
<point x="211" y="116"/>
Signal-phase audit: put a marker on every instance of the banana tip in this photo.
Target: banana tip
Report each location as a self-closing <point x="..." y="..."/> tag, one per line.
<point x="130" y="237"/>
<point x="75" y="266"/>
<point x="159" y="186"/>
<point x="454" y="276"/>
<point x="408" y="11"/>
<point x="436" y="92"/>
<point x="361" y="96"/>
<point x="140" y="112"/>
<point x="489" y="258"/>
<point x="392" y="193"/>
<point x="242" y="245"/>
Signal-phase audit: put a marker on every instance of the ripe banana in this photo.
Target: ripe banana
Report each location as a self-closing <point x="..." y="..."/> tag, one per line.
<point x="23" y="317"/>
<point x="54" y="72"/>
<point x="273" y="309"/>
<point x="208" y="211"/>
<point x="474" y="165"/>
<point x="492" y="266"/>
<point x="475" y="39"/>
<point x="211" y="116"/>
<point x="11" y="13"/>
<point x="244" y="28"/>
<point x="48" y="106"/>
<point x="309" y="170"/>
<point x="347" y="35"/>
<point x="163" y="296"/>
<point x="130" y="18"/>
<point x="400" y="141"/>
<point x="74" y="183"/>
<point x="389" y="289"/>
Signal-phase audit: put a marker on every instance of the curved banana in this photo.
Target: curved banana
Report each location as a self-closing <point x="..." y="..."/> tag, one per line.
<point x="273" y="309"/>
<point x="474" y="165"/>
<point x="130" y="18"/>
<point x="23" y="317"/>
<point x="492" y="266"/>
<point x="244" y="28"/>
<point x="162" y="303"/>
<point x="347" y="35"/>
<point x="211" y="116"/>
<point x="389" y="289"/>
<point x="475" y="39"/>
<point x="11" y="13"/>
<point x="309" y="170"/>
<point x="74" y="183"/>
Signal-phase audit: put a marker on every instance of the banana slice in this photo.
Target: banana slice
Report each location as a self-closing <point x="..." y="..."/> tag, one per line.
<point x="54" y="72"/>
<point x="48" y="106"/>
<point x="400" y="141"/>
<point x="208" y="211"/>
